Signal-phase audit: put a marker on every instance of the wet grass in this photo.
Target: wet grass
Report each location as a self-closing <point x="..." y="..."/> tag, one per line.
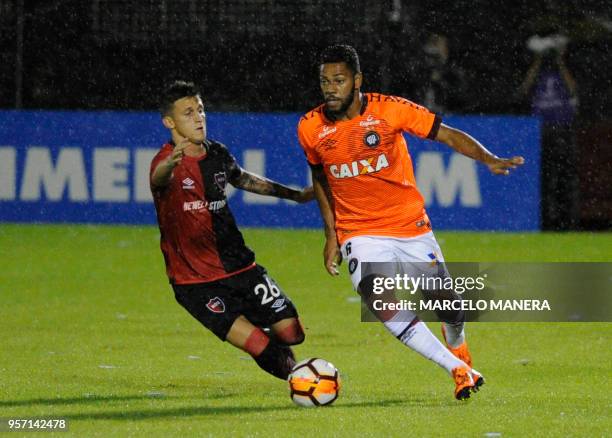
<point x="91" y="332"/>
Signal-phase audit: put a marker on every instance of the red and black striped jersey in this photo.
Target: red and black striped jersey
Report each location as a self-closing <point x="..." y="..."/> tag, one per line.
<point x="199" y="239"/>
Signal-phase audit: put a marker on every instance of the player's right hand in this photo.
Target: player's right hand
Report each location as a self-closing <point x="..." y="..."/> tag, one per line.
<point x="178" y="152"/>
<point x="332" y="257"/>
<point x="502" y="166"/>
<point x="305" y="195"/>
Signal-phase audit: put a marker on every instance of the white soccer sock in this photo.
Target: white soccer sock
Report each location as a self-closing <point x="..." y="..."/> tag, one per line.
<point x="455" y="334"/>
<point x="400" y="322"/>
<point x="419" y="338"/>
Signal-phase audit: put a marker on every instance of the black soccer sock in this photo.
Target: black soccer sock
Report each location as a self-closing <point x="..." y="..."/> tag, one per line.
<point x="276" y="359"/>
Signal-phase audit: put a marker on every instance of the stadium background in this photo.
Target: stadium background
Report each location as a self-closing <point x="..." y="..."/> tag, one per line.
<point x="260" y="56"/>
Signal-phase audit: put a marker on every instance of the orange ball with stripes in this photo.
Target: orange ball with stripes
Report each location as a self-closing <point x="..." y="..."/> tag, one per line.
<point x="314" y="382"/>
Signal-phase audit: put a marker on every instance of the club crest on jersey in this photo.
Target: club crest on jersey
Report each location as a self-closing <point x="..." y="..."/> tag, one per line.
<point x="215" y="305"/>
<point x="371" y="139"/>
<point x="220" y="180"/>
<point x="359" y="167"/>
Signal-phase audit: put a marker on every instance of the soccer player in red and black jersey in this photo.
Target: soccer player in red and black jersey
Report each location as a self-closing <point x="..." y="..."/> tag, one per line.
<point x="212" y="271"/>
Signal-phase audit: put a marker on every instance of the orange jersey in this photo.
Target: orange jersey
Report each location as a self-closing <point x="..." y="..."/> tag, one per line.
<point x="368" y="166"/>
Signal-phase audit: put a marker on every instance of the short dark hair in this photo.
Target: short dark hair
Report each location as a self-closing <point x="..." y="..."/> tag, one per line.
<point x="175" y="91"/>
<point x="341" y="53"/>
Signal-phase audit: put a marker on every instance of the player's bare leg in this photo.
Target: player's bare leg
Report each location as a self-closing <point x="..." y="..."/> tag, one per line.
<point x="239" y="332"/>
<point x="272" y="357"/>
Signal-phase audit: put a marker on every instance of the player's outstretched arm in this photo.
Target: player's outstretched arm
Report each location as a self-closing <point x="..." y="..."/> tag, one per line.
<point x="331" y="252"/>
<point x="470" y="147"/>
<point x="163" y="172"/>
<point x="263" y="186"/>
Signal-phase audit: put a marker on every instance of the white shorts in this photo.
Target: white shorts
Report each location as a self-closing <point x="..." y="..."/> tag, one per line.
<point x="420" y="251"/>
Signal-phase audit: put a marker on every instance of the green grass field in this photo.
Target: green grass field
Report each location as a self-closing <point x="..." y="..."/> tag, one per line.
<point x="91" y="332"/>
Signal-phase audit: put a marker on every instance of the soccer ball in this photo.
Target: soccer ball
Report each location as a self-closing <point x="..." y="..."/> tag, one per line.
<point x="314" y="382"/>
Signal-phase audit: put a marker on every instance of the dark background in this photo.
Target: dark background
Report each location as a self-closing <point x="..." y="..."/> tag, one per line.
<point x="261" y="55"/>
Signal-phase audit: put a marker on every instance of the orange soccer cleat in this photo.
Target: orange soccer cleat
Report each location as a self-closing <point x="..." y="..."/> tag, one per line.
<point x="466" y="380"/>
<point x="461" y="352"/>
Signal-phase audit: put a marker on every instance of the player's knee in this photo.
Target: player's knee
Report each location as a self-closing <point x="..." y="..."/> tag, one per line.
<point x="293" y="334"/>
<point x="368" y="286"/>
<point x="296" y="339"/>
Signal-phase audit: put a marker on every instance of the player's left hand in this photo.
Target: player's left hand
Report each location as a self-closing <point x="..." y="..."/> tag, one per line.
<point x="502" y="166"/>
<point x="306" y="195"/>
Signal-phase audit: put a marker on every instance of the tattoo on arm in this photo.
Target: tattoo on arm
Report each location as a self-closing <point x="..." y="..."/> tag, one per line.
<point x="263" y="186"/>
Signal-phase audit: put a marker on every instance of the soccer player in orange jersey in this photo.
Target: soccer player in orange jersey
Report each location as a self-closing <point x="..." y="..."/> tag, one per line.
<point x="371" y="207"/>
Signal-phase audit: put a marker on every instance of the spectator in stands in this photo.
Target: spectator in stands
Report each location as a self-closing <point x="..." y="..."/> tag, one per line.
<point x="551" y="90"/>
<point x="443" y="83"/>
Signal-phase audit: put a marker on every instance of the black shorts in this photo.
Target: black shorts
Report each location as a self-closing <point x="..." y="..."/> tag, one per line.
<point x="251" y="293"/>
